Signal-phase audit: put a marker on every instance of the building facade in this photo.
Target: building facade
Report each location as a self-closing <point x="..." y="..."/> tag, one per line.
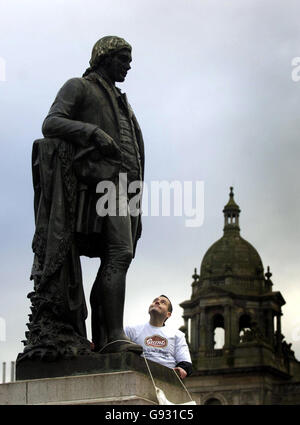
<point x="233" y="295"/>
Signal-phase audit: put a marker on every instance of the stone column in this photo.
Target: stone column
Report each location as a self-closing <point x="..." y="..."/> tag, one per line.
<point x="202" y="331"/>
<point x="185" y="322"/>
<point x="193" y="333"/>
<point x="227" y="326"/>
<point x="209" y="333"/>
<point x="186" y="325"/>
<point x="270" y="327"/>
<point x="261" y="321"/>
<point x="278" y="333"/>
<point x="235" y="339"/>
<point x="278" y="326"/>
<point x="197" y="331"/>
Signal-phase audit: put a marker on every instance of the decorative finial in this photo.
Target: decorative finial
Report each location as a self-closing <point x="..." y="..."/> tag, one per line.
<point x="231" y="215"/>
<point x="195" y="275"/>
<point x="268" y="274"/>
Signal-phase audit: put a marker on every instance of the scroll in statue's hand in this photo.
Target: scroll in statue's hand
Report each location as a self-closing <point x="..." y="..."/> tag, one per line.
<point x="106" y="144"/>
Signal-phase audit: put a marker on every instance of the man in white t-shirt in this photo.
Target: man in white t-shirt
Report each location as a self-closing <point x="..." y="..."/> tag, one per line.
<point x="162" y="344"/>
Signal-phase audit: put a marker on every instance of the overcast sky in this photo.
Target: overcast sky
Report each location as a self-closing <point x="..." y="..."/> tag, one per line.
<point x="211" y="85"/>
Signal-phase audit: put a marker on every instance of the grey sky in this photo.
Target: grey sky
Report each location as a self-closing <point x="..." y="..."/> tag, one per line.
<point x="212" y="89"/>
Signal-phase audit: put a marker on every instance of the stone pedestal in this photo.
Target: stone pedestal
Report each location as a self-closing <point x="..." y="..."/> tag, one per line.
<point x="126" y="380"/>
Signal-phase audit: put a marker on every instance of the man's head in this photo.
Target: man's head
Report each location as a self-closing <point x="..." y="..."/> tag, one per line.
<point x="113" y="54"/>
<point x="161" y="307"/>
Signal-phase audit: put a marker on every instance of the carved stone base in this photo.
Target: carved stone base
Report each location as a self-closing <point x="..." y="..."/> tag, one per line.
<point x="119" y="388"/>
<point x="95" y="363"/>
<point x="121" y="378"/>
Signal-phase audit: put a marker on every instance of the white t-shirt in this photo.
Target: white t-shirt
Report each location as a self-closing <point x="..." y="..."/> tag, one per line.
<point x="162" y="344"/>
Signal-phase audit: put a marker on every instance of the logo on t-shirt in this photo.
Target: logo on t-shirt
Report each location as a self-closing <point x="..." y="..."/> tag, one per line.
<point x="156" y="341"/>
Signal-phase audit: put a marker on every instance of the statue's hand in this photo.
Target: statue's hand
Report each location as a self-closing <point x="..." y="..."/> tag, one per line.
<point x="106" y="144"/>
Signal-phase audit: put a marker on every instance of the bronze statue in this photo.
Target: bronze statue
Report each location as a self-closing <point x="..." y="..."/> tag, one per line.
<point x="91" y="135"/>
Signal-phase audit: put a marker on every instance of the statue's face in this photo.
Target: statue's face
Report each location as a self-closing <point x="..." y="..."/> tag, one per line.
<point x="119" y="65"/>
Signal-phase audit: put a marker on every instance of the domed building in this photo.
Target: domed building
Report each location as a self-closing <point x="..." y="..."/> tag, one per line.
<point x="233" y="325"/>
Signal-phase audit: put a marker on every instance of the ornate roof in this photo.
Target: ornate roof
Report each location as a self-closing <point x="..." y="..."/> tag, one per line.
<point x="231" y="255"/>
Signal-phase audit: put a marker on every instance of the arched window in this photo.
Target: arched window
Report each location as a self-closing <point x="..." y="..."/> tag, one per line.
<point x="219" y="338"/>
<point x="213" y="401"/>
<point x="244" y="325"/>
<point x="218" y="332"/>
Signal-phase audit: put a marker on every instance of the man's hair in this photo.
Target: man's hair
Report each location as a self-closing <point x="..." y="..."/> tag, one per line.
<point x="170" y="307"/>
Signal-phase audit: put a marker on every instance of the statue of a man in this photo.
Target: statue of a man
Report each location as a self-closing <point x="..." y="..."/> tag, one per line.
<point x="91" y="136"/>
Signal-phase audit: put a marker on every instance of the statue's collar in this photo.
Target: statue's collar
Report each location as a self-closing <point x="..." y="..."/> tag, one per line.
<point x="96" y="76"/>
<point x="105" y="78"/>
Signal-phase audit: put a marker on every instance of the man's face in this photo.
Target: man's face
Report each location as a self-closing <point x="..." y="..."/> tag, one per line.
<point x="160" y="305"/>
<point x="119" y="65"/>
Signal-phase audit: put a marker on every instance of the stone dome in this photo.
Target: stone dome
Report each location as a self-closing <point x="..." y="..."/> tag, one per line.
<point x="231" y="255"/>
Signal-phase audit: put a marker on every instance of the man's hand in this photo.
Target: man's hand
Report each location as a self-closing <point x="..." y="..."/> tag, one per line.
<point x="106" y="144"/>
<point x="181" y="372"/>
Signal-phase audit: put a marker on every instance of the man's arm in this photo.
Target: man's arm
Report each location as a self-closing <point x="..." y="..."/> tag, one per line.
<point x="130" y="332"/>
<point x="185" y="367"/>
<point x="182" y="356"/>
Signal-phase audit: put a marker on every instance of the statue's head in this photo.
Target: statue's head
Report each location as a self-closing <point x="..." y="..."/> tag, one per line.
<point x="113" y="54"/>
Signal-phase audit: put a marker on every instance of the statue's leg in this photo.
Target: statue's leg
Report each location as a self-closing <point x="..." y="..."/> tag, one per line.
<point x="108" y="293"/>
<point x="107" y="301"/>
<point x="99" y="333"/>
<point x="111" y="281"/>
<point x="117" y="258"/>
<point x="112" y="290"/>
